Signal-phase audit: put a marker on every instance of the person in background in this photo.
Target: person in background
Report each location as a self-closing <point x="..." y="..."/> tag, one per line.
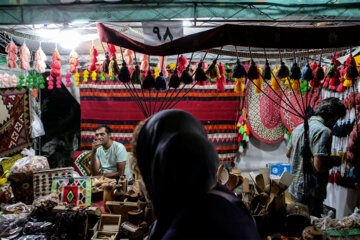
<point x="108" y="156"/>
<point x="320" y="137"/>
<point x="178" y="165"/>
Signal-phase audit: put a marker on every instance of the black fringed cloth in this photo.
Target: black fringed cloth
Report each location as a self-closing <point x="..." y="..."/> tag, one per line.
<point x="243" y="35"/>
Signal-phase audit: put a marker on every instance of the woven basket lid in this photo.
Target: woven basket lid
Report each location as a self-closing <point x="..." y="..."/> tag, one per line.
<point x="263" y="114"/>
<point x="297" y="209"/>
<point x="290" y="120"/>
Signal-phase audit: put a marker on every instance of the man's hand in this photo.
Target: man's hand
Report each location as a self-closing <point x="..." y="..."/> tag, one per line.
<point x="95" y="145"/>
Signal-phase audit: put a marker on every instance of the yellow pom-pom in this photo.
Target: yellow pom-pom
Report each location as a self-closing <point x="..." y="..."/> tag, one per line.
<point x="295" y="85"/>
<point x="156" y="72"/>
<point x="258" y="85"/>
<point x="239" y="86"/>
<point x="86" y="75"/>
<point x="347" y="82"/>
<point x="93" y="75"/>
<point x="172" y="66"/>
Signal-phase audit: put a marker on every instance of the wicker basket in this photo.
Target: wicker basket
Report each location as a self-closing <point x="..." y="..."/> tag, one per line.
<point x="42" y="180"/>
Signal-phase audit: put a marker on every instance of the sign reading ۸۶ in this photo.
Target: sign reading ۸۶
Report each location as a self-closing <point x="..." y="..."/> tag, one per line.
<point x="159" y="32"/>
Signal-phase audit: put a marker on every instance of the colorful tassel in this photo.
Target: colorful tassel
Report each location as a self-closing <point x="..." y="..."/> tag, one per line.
<point x="275" y="83"/>
<point x="283" y="71"/>
<point x="128" y="56"/>
<point x="94" y="75"/>
<point x="160" y="82"/>
<point x="58" y="82"/>
<point x="186" y="77"/>
<point x="135" y="76"/>
<point x="42" y="82"/>
<point x="124" y="74"/>
<point x="11" y="49"/>
<point x="213" y="70"/>
<point x="220" y="81"/>
<point x="93" y="59"/>
<point x="86" y="75"/>
<point x="24" y="57"/>
<point x="239" y="86"/>
<point x="182" y="64"/>
<point x="21" y="81"/>
<point x="200" y="73"/>
<point x="6" y="80"/>
<point x="113" y="69"/>
<point x="331" y="70"/>
<point x="50" y="82"/>
<point x="239" y="70"/>
<point x="112" y="51"/>
<point x="67" y="77"/>
<point x="29" y="81"/>
<point x="144" y="63"/>
<point x="267" y="71"/>
<point x="295" y="72"/>
<point x="102" y="77"/>
<point x="149" y="81"/>
<point x="174" y="81"/>
<point x="56" y="64"/>
<point x="77" y="79"/>
<point x="14" y="80"/>
<point x="253" y="72"/>
<point x="73" y="62"/>
<point x="307" y="73"/>
<point x="295" y="83"/>
<point x="105" y="65"/>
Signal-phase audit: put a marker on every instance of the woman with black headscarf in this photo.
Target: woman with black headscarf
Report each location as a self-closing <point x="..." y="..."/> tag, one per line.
<point x="178" y="166"/>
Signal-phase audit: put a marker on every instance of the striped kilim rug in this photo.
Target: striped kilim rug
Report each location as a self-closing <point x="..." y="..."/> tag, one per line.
<point x="111" y="103"/>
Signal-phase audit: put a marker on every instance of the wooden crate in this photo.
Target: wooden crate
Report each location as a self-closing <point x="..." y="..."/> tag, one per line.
<point x="42" y="180"/>
<point x="108" y="223"/>
<point x="121" y="208"/>
<point x="105" y="235"/>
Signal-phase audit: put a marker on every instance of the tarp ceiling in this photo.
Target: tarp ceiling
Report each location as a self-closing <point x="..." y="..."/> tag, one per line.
<point x="62" y="11"/>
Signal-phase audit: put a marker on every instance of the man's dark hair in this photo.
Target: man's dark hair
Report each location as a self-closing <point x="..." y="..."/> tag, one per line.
<point x="107" y="128"/>
<point x="329" y="107"/>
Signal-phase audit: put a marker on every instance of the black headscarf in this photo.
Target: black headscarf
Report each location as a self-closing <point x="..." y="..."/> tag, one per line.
<point x="176" y="160"/>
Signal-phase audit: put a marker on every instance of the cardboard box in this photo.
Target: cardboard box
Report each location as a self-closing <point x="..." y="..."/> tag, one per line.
<point x="277" y="169"/>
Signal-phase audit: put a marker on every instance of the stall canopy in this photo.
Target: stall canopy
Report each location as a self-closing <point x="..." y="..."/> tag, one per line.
<point x="60" y="11"/>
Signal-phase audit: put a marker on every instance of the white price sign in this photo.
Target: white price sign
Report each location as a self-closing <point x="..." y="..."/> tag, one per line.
<point x="159" y="32"/>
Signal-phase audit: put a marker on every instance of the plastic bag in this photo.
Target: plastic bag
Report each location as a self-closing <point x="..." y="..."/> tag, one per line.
<point x="30" y="163"/>
<point x="37" y="128"/>
<point x="17" y="208"/>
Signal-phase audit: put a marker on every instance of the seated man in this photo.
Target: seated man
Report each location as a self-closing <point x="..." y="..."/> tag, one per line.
<point x="109" y="156"/>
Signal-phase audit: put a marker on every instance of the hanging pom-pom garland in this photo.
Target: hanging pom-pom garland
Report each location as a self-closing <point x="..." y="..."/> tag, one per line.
<point x="40" y="59"/>
<point x="105" y="65"/>
<point x="21" y="81"/>
<point x="174" y="81"/>
<point x="42" y="82"/>
<point x="86" y="75"/>
<point x="220" y="81"/>
<point x="135" y="76"/>
<point x="14" y="80"/>
<point x="102" y="77"/>
<point x="77" y="79"/>
<point x="239" y="70"/>
<point x="149" y="81"/>
<point x="24" y="57"/>
<point x="73" y="61"/>
<point x="58" y="82"/>
<point x="182" y="64"/>
<point x="124" y="74"/>
<point x="29" y="81"/>
<point x="213" y="70"/>
<point x="113" y="69"/>
<point x="186" y="77"/>
<point x="67" y="77"/>
<point x="6" y="80"/>
<point x="267" y="71"/>
<point x="351" y="71"/>
<point x="50" y="82"/>
<point x="94" y="75"/>
<point x="200" y="75"/>
<point x="56" y="64"/>
<point x="11" y="49"/>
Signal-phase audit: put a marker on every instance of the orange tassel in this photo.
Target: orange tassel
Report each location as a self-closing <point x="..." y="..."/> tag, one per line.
<point x="239" y="86"/>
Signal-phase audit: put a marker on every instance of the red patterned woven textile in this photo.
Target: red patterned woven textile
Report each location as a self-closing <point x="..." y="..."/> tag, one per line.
<point x="112" y="104"/>
<point x="14" y="121"/>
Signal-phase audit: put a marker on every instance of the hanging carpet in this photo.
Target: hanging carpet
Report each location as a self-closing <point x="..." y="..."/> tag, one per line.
<point x="111" y="103"/>
<point x="14" y="121"/>
<point x="263" y="114"/>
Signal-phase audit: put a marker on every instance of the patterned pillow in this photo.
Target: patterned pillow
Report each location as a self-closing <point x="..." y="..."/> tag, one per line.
<point x="81" y="162"/>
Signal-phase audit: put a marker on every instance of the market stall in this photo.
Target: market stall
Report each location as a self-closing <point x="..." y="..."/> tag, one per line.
<point x="249" y="94"/>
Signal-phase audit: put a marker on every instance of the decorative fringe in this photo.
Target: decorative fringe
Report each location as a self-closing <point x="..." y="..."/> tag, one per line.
<point x="186" y="77"/>
<point x="24" y="57"/>
<point x="160" y="82"/>
<point x="124" y="74"/>
<point x="283" y="71"/>
<point x="239" y="86"/>
<point x="73" y="62"/>
<point x="93" y="59"/>
<point x="113" y="69"/>
<point x="174" y="80"/>
<point x="182" y="64"/>
<point x="149" y="81"/>
<point x="11" y="49"/>
<point x="135" y="77"/>
<point x="220" y="81"/>
<point x="307" y="73"/>
<point x="267" y="71"/>
<point x="200" y="73"/>
<point x="253" y="72"/>
<point x="239" y="70"/>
